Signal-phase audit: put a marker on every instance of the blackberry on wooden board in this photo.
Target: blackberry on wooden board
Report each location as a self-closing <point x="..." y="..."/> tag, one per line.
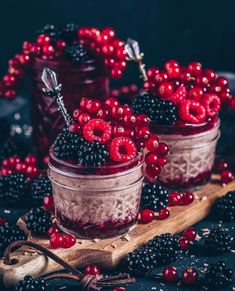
<point x="38" y="220"/>
<point x="9" y="233"/>
<point x="31" y="284"/>
<point x="154" y="197"/>
<point x="224" y="207"/>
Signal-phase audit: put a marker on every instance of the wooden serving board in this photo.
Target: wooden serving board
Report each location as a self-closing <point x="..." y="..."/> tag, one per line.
<point x="107" y="253"/>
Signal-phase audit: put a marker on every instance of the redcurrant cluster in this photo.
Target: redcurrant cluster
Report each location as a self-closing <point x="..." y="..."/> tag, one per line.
<point x="189" y="276"/>
<point x="15" y="164"/>
<point x="186" y="240"/>
<point x="198" y="93"/>
<point x="123" y="132"/>
<point x="58" y="240"/>
<point x="104" y="43"/>
<point x="222" y="168"/>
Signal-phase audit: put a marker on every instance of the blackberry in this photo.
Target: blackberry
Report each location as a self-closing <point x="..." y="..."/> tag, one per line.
<point x="154" y="197"/>
<point x="14" y="188"/>
<point x="224" y="207"/>
<point x="66" y="144"/>
<point x="76" y="53"/>
<point x="218" y="276"/>
<point x="38" y="220"/>
<point x="29" y="283"/>
<point x="141" y="261"/>
<point x="69" y="32"/>
<point x="41" y="187"/>
<point x="142" y="103"/>
<point x="162" y="112"/>
<point x="9" y="233"/>
<point x="92" y="154"/>
<point x="218" y="240"/>
<point x="50" y="30"/>
<point x="166" y="247"/>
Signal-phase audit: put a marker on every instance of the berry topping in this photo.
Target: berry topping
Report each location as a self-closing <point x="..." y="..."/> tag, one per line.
<point x="192" y="111"/>
<point x="97" y="130"/>
<point x="154" y="197"/>
<point x="76" y="53"/>
<point x="122" y="149"/>
<point x="146" y="216"/>
<point x="178" y="96"/>
<point x="211" y="103"/>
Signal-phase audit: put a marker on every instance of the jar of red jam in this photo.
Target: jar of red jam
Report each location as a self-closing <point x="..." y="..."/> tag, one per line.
<point x="191" y="153"/>
<point x="88" y="79"/>
<point x="96" y="202"/>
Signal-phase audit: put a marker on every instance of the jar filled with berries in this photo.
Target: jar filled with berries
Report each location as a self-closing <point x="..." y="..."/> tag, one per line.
<point x="183" y="104"/>
<point x="84" y="59"/>
<point x="96" y="165"/>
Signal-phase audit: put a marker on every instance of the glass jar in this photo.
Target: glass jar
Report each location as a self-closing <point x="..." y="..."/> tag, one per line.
<point x="192" y="153"/>
<point x="102" y="204"/>
<point x="89" y="79"/>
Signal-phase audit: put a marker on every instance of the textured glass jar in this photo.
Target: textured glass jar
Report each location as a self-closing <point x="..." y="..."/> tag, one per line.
<point x="191" y="156"/>
<point x="89" y="79"/>
<point x="103" y="204"/>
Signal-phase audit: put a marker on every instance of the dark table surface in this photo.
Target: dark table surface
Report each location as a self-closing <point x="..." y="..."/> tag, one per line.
<point x="15" y="114"/>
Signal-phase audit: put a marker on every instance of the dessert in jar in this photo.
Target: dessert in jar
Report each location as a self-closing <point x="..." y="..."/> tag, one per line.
<point x="183" y="104"/>
<point x="96" y="165"/>
<point x="84" y="59"/>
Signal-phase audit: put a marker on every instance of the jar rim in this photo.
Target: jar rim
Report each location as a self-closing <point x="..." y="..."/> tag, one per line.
<point x="77" y="169"/>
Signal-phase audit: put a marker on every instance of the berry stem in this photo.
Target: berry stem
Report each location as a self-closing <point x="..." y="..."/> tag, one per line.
<point x="53" y="89"/>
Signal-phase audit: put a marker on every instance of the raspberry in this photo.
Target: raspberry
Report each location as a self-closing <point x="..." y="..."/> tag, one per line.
<point x="178" y="96"/>
<point x="192" y="111"/>
<point x="97" y="130"/>
<point x="122" y="149"/>
<point x="211" y="103"/>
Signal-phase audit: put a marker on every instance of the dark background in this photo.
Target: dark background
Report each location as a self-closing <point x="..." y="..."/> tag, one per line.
<point x="185" y="30"/>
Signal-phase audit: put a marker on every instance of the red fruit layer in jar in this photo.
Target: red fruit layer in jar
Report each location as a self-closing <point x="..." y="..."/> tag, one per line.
<point x="87" y="79"/>
<point x="92" y="204"/>
<point x="191" y="154"/>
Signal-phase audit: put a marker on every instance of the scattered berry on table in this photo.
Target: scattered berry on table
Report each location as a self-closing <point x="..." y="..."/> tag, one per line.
<point x="174" y="199"/>
<point x="30" y="283"/>
<point x="57" y="241"/>
<point x="224" y="207"/>
<point x="218" y="240"/>
<point x="141" y="261"/>
<point x="163" y="214"/>
<point x="184" y="243"/>
<point x="92" y="270"/>
<point x="69" y="241"/>
<point x="154" y="197"/>
<point x="166" y="247"/>
<point x="41" y="187"/>
<point x="190" y="233"/>
<point x="9" y="233"/>
<point x="38" y="220"/>
<point x="170" y="274"/>
<point x="227" y="176"/>
<point x="53" y="230"/>
<point x="3" y="220"/>
<point x="218" y="276"/>
<point x="186" y="198"/>
<point x="190" y="276"/>
<point x="146" y="215"/>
